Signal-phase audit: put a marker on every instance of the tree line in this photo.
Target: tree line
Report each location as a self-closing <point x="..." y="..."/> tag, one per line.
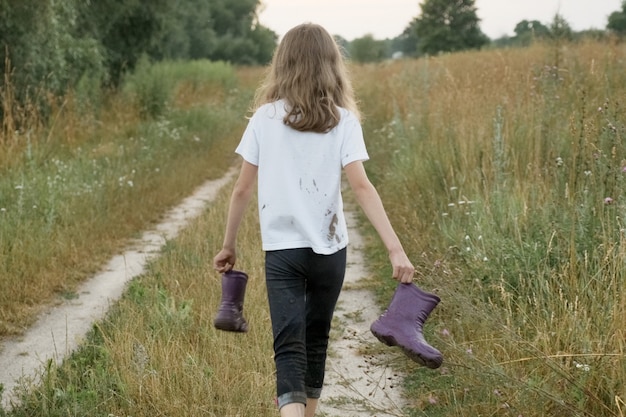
<point x="53" y="46"/>
<point x="453" y="25"/>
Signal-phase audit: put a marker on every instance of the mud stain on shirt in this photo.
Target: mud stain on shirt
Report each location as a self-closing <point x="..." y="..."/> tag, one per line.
<point x="332" y="228"/>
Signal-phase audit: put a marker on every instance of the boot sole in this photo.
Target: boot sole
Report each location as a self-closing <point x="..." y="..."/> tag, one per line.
<point x="414" y="356"/>
<point x="230" y="326"/>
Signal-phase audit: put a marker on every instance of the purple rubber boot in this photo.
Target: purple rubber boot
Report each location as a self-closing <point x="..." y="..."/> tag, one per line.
<point x="230" y="314"/>
<point x="401" y="324"/>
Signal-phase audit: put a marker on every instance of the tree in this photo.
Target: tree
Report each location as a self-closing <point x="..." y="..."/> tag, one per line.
<point x="527" y="31"/>
<point x="240" y="39"/>
<point x="187" y="33"/>
<point x="126" y="29"/>
<point x="368" y="49"/>
<point x="531" y="27"/>
<point x="344" y="44"/>
<point x="406" y="43"/>
<point x="217" y="30"/>
<point x="43" y="50"/>
<point x="55" y="45"/>
<point x="447" y="26"/>
<point x="617" y="21"/>
<point x="560" y="29"/>
<point x="186" y="29"/>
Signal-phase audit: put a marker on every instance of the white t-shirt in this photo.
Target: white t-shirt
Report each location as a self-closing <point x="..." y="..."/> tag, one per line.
<point x="299" y="179"/>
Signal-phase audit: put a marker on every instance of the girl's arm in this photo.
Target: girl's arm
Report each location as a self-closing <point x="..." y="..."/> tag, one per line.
<point x="370" y="202"/>
<point x="242" y="192"/>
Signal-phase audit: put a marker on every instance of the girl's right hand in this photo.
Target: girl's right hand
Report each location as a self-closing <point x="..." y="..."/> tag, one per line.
<point x="224" y="260"/>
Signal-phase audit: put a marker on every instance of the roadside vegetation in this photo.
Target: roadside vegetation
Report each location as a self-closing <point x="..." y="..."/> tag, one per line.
<point x="502" y="170"/>
<point x="75" y="188"/>
<point x="505" y="172"/>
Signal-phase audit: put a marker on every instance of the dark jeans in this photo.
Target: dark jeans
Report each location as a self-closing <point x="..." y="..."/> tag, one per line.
<point x="302" y="289"/>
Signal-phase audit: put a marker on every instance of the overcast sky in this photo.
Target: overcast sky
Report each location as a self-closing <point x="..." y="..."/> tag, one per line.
<point x="387" y="18"/>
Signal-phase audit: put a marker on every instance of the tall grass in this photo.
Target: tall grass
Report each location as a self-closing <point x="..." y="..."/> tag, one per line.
<point x="76" y="188"/>
<point x="505" y="171"/>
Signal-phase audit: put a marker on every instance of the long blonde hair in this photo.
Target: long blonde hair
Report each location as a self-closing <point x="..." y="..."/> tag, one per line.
<point x="309" y="73"/>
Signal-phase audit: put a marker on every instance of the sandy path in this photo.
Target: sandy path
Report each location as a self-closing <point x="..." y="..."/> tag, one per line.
<point x="356" y="384"/>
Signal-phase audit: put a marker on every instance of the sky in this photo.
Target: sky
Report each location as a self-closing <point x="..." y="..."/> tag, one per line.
<point x="387" y="18"/>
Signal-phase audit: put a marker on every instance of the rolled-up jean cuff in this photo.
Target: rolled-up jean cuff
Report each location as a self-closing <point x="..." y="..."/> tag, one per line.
<point x="291" y="397"/>
<point x="313" y="392"/>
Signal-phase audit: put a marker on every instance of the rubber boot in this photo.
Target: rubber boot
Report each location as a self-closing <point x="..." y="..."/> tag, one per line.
<point x="401" y="324"/>
<point x="230" y="314"/>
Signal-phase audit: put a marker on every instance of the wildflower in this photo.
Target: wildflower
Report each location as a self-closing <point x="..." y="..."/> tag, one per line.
<point x="608" y="200"/>
<point x="559" y="161"/>
<point x="432" y="399"/>
<point x="19" y="187"/>
<point x="130" y="183"/>
<point x="587" y="173"/>
<point x="624" y="169"/>
<point x="582" y="366"/>
<point x="600" y="109"/>
<point x="497" y="392"/>
<point x="485" y="259"/>
<point x="445" y="332"/>
<point x="469" y="351"/>
<point x="3" y="210"/>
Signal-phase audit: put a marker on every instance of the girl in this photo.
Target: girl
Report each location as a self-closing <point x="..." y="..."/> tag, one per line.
<point x="304" y="130"/>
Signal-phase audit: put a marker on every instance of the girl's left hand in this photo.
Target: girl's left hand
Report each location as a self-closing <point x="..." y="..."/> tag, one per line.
<point x="403" y="269"/>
